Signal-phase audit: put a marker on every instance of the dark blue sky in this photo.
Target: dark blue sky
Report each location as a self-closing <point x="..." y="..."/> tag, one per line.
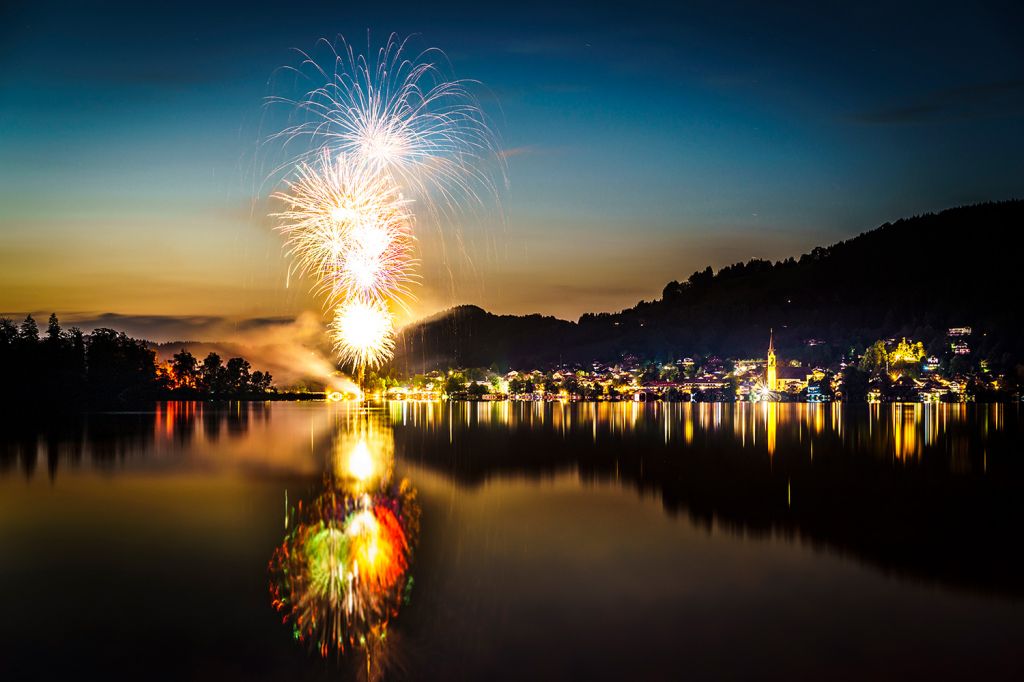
<point x="645" y="141"/>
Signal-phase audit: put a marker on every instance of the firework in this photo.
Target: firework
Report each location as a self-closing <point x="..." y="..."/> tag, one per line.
<point x="399" y="112"/>
<point x="349" y="229"/>
<point x="377" y="131"/>
<point x="363" y="333"/>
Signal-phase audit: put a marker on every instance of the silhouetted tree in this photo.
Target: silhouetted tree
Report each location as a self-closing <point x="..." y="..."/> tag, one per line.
<point x="53" y="330"/>
<point x="855" y="384"/>
<point x="8" y="332"/>
<point x="29" y="332"/>
<point x="236" y="375"/>
<point x="260" y="382"/>
<point x="212" y="374"/>
<point x="185" y="368"/>
<point x="119" y="367"/>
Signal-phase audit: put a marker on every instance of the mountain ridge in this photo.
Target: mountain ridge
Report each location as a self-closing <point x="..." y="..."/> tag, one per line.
<point x="914" y="277"/>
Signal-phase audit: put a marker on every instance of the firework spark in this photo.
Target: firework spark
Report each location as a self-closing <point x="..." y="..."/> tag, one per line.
<point x="348" y="228"/>
<point x="363" y="333"/>
<point x="378" y="130"/>
<point x="399" y="112"/>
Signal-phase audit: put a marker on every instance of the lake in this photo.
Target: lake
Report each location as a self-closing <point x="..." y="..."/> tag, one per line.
<point x="514" y="541"/>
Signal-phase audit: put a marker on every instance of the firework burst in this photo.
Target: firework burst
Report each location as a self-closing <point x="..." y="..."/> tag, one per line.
<point x="348" y="228"/>
<point x="363" y="332"/>
<point x="398" y="111"/>
<point x="377" y="132"/>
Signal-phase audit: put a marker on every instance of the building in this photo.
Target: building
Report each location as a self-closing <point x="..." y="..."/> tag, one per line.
<point x="791" y="379"/>
<point x="771" y="381"/>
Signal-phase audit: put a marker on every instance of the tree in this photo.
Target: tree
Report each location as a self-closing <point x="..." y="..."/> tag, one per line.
<point x="119" y="366"/>
<point x="476" y="391"/>
<point x="260" y="382"/>
<point x="212" y="374"/>
<point x="855" y="384"/>
<point x="185" y="368"/>
<point x="53" y="330"/>
<point x="8" y="332"/>
<point x="77" y="352"/>
<point x="236" y="375"/>
<point x="454" y="383"/>
<point x="29" y="332"/>
<point x="875" y="358"/>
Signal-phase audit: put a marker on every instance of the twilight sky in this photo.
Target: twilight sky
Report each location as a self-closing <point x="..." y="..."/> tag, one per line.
<point x="644" y="141"/>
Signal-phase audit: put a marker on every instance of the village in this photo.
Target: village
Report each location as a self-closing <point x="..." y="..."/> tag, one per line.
<point x="890" y="370"/>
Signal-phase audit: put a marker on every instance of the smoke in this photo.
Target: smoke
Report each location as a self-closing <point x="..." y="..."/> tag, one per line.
<point x="295" y="352"/>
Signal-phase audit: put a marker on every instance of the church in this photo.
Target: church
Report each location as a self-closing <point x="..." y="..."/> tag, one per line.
<point x="785" y="379"/>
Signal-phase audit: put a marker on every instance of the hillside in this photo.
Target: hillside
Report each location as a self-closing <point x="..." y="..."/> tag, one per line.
<point x="915" y="277"/>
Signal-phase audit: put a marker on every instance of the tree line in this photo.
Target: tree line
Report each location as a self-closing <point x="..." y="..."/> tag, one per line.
<point x="56" y="367"/>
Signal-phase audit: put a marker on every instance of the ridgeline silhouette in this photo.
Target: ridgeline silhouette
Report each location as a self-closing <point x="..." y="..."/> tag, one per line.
<point x="915" y="277"/>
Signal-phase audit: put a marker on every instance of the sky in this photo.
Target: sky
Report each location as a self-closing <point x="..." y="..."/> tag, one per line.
<point x="643" y="141"/>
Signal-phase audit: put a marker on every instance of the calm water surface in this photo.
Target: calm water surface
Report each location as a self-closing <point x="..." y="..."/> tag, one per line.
<point x="555" y="541"/>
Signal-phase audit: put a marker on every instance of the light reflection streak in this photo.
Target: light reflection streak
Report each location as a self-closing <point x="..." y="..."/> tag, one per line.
<point x="904" y="432"/>
<point x="341" y="572"/>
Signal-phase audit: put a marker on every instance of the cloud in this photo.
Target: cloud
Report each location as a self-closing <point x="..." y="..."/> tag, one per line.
<point x="173" y="327"/>
<point x="986" y="100"/>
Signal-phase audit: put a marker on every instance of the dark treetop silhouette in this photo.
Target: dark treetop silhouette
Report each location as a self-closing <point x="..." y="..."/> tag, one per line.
<point x="109" y="368"/>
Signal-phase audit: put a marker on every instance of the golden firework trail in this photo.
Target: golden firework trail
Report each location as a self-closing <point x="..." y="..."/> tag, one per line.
<point x="348" y="228"/>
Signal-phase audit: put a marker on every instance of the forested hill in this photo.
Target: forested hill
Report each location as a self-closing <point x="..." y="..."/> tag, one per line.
<point x="915" y="277"/>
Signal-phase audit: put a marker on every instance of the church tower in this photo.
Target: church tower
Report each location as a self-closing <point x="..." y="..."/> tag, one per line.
<point x="772" y="377"/>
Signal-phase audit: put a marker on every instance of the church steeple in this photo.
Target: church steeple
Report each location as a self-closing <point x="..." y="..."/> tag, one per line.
<point x="772" y="378"/>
